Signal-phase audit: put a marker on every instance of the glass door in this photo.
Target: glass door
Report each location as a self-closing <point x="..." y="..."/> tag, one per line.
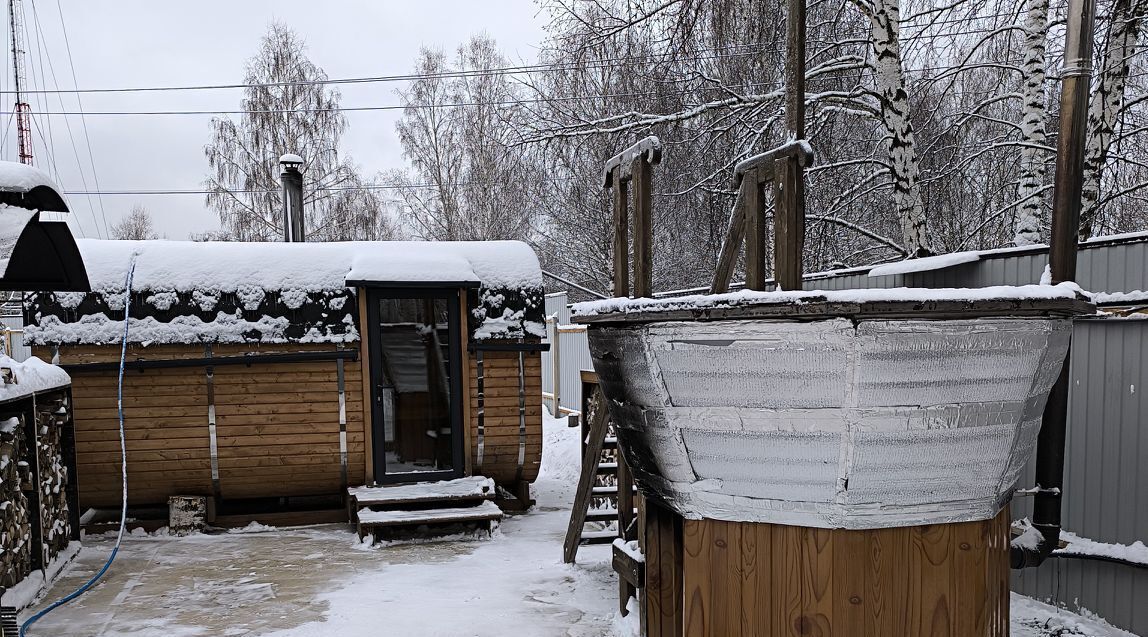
<point x="415" y="372"/>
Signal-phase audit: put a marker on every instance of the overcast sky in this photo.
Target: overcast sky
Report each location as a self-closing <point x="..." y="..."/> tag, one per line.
<point x="122" y="43"/>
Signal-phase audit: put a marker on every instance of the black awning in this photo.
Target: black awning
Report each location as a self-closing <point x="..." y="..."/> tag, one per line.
<point x="45" y="257"/>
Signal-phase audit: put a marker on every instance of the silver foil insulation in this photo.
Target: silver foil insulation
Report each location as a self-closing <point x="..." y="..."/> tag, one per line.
<point x="833" y="423"/>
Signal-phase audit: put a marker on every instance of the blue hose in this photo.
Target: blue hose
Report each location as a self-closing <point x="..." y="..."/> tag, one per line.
<point x="123" y="465"/>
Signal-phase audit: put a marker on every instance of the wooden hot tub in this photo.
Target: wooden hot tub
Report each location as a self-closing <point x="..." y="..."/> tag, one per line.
<point x="843" y="459"/>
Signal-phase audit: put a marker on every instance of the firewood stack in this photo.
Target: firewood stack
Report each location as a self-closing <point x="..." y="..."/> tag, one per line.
<point x="15" y="526"/>
<point x="51" y="420"/>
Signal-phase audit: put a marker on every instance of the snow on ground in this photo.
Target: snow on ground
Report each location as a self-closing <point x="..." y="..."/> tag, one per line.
<point x="310" y="581"/>
<point x="1031" y="618"/>
<point x="319" y="581"/>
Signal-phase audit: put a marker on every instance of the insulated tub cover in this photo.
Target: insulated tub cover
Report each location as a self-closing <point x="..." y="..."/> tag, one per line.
<point x="836" y="413"/>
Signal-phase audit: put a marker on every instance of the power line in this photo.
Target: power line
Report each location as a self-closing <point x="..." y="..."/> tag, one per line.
<point x="362" y="187"/>
<point x="83" y="120"/>
<point x="68" y="125"/>
<point x="407" y="77"/>
<point x="386" y="107"/>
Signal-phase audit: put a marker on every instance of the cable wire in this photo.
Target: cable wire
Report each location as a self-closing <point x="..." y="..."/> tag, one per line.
<point x="83" y="120"/>
<point x="123" y="463"/>
<point x="507" y="70"/>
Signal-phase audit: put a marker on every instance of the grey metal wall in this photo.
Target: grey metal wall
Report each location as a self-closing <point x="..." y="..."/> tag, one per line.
<point x="1106" y="488"/>
<point x="1106" y="475"/>
<point x="1102" y="266"/>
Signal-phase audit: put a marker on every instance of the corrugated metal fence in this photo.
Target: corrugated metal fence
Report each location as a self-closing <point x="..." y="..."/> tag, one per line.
<point x="1106" y="472"/>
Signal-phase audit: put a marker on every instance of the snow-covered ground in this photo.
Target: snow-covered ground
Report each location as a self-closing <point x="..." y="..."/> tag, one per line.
<point x="320" y="581"/>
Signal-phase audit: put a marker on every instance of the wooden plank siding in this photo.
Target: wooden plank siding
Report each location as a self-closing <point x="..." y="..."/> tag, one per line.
<point x="501" y="422"/>
<point x="771" y="579"/>
<point x="277" y="425"/>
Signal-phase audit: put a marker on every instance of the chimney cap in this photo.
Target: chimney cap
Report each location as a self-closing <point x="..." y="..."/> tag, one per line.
<point x="291" y="160"/>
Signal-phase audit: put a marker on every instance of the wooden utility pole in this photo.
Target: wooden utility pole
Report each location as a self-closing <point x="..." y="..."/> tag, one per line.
<point x="789" y="191"/>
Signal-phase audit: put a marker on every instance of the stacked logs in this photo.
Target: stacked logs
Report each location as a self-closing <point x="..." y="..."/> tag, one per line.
<point x="52" y="418"/>
<point x="15" y="521"/>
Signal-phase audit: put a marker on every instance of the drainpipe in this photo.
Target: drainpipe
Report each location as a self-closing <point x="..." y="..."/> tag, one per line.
<point x="1076" y="79"/>
<point x="290" y="173"/>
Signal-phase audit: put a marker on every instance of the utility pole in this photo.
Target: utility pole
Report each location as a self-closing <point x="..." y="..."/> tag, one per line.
<point x="23" y="110"/>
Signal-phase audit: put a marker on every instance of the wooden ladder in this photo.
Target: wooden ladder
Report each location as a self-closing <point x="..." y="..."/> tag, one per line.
<point x="596" y="440"/>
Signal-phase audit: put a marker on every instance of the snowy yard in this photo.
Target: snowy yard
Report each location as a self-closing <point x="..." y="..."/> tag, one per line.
<point x="319" y="581"/>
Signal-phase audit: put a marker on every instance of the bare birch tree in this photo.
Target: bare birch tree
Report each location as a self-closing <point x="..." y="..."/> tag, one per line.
<point x="889" y="80"/>
<point x="287" y="111"/>
<point x="1034" y="113"/>
<point x="137" y="225"/>
<point x="1107" y="102"/>
<point x="466" y="181"/>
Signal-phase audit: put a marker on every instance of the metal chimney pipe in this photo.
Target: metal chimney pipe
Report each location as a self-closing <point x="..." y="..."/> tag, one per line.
<point x="1076" y="79"/>
<point x="291" y="174"/>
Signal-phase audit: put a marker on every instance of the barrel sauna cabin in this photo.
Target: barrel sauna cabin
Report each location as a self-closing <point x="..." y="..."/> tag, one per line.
<point x="279" y="371"/>
<point x="829" y="463"/>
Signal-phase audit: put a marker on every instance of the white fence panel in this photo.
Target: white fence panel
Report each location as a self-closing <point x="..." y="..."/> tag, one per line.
<point x="13" y="338"/>
<point x="569" y="354"/>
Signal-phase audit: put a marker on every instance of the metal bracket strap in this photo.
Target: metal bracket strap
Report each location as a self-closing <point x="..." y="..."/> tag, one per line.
<point x="521" y="414"/>
<point x="481" y="411"/>
<point x="213" y="441"/>
<point x="342" y="424"/>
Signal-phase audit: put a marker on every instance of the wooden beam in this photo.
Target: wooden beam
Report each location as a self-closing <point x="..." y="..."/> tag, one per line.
<point x="753" y="205"/>
<point x="664" y="592"/>
<point x="789" y="223"/>
<point x="590" y="458"/>
<point x="727" y="259"/>
<point x="642" y="175"/>
<point x="365" y="386"/>
<point x="621" y="238"/>
<point x="626" y="530"/>
<point x="795" y="70"/>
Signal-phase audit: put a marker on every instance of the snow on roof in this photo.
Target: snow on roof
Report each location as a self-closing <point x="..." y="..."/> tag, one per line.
<point x="1065" y="290"/>
<point x="17" y="177"/>
<point x="224" y="292"/>
<point x="924" y="264"/>
<point x="183" y="266"/>
<point x="30" y="377"/>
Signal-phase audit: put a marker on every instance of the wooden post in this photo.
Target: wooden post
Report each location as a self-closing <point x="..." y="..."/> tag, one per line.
<point x="754" y="210"/>
<point x="664" y="575"/>
<point x="642" y="175"/>
<point x="621" y="238"/>
<point x="626" y="527"/>
<point x="789" y="223"/>
<point x="789" y="188"/>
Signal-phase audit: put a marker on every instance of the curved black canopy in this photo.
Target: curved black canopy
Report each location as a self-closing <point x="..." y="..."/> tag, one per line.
<point x="37" y="249"/>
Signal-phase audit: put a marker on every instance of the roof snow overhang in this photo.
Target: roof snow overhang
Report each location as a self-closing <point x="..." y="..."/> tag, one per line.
<point x="37" y="249"/>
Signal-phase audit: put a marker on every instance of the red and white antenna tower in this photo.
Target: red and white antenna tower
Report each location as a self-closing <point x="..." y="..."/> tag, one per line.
<point x="23" y="110"/>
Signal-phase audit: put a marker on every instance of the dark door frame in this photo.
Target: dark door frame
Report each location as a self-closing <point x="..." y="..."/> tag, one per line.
<point x="450" y="294"/>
